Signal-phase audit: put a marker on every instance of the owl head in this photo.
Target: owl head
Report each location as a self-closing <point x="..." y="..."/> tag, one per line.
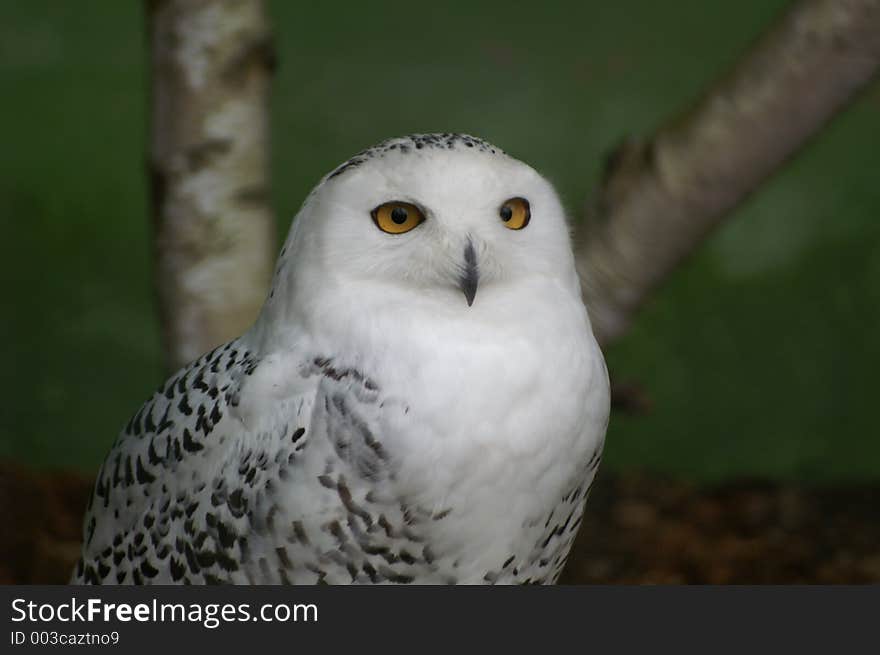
<point x="443" y="220"/>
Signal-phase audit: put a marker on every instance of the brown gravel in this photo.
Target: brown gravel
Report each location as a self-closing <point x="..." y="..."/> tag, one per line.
<point x="42" y="512"/>
<point x="642" y="529"/>
<point x="639" y="529"/>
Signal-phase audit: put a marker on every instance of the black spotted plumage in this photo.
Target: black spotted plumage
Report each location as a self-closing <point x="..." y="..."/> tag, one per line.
<point x="414" y="143"/>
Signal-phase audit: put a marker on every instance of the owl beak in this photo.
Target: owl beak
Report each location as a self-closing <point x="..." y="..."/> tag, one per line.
<point x="470" y="276"/>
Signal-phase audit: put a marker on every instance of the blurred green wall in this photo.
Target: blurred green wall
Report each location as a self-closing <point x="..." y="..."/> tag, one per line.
<point x="761" y="355"/>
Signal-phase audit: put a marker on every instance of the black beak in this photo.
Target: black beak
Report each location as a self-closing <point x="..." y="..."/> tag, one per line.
<point x="470" y="276"/>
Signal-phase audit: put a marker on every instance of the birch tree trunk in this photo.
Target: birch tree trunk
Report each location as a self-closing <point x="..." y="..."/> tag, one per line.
<point x="211" y="63"/>
<point x="660" y="198"/>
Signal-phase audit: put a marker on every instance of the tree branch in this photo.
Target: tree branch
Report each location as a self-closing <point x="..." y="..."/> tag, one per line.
<point x="211" y="63"/>
<point x="660" y="198"/>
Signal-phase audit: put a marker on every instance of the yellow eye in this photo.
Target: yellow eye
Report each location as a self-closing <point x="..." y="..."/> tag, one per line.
<point x="397" y="217"/>
<point x="515" y="213"/>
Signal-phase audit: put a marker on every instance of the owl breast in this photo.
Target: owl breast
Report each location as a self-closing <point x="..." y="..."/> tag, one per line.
<point x="498" y="432"/>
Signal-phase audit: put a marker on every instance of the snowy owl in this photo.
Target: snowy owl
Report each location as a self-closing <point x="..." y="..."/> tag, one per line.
<point x="420" y="400"/>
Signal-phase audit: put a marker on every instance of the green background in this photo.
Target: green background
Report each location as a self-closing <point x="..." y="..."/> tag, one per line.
<point x="760" y="355"/>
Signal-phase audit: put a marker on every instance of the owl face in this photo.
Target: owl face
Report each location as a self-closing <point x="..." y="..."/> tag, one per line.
<point x="447" y="217"/>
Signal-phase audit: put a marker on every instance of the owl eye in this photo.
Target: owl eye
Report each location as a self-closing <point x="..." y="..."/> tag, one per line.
<point x="397" y="217"/>
<point x="515" y="213"/>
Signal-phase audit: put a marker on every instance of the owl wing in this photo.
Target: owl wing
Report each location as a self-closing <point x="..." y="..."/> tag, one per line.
<point x="171" y="459"/>
<point x="212" y="472"/>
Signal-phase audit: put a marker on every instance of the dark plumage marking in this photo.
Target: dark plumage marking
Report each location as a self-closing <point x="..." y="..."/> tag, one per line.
<point x="351" y="163"/>
<point x="143" y="476"/>
<point x="129" y="474"/>
<point x="148" y="569"/>
<point x="216" y="415"/>
<point x="389" y="557"/>
<point x="428" y="555"/>
<point x="283" y="557"/>
<point x="218" y="497"/>
<point x="191" y="560"/>
<point x="201" y="421"/>
<point x="205" y="558"/>
<point x="90" y="530"/>
<point x="90" y="576"/>
<point x="326" y="368"/>
<point x="371" y="573"/>
<point x="386" y="525"/>
<point x="237" y="503"/>
<point x="177" y="569"/>
<point x="165" y="423"/>
<point x="406" y="144"/>
<point x="393" y="576"/>
<point x="227" y="563"/>
<point x="226" y="535"/>
<point x="136" y="427"/>
<point x="373" y="549"/>
<point x="190" y="445"/>
<point x="152" y="456"/>
<point x="149" y="425"/>
<point x="270" y="518"/>
<point x="374" y="445"/>
<point x="117" y="478"/>
<point x="561" y="528"/>
<point x="199" y="381"/>
<point x="338" y="533"/>
<point x="349" y="504"/>
<point x="300" y="533"/>
<point x="317" y="571"/>
<point x="175" y="446"/>
<point x="184" y="405"/>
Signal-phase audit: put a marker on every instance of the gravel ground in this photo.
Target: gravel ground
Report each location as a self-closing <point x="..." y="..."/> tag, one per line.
<point x="639" y="529"/>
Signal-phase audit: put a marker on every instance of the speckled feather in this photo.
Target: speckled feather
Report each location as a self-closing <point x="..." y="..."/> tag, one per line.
<point x="371" y="427"/>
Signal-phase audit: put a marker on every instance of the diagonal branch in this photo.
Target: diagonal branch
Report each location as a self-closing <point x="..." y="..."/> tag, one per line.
<point x="660" y="198"/>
